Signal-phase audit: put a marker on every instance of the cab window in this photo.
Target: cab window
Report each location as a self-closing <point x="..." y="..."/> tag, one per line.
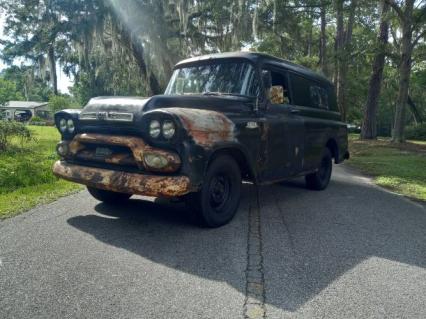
<point x="280" y="79"/>
<point x="301" y="92"/>
<point x="319" y="97"/>
<point x="310" y="93"/>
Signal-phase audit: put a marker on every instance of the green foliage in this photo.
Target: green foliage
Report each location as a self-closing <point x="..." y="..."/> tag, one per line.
<point x="36" y="120"/>
<point x="61" y="102"/>
<point x="57" y="103"/>
<point x="8" y="92"/>
<point x="26" y="177"/>
<point x="130" y="47"/>
<point x="393" y="167"/>
<point x="10" y="130"/>
<point x="29" y="86"/>
<point x="416" y="132"/>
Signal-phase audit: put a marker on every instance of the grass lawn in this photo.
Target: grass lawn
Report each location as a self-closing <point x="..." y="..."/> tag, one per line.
<point x="401" y="169"/>
<point x="26" y="178"/>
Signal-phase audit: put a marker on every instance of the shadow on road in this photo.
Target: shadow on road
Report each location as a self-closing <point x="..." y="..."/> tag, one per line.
<point x="310" y="239"/>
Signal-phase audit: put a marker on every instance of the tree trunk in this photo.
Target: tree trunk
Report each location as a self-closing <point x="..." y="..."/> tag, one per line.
<point x="52" y="66"/>
<point x="404" y="72"/>
<point x="309" y="44"/>
<point x="369" y="125"/>
<point x="150" y="79"/>
<point x="339" y="58"/>
<point x="323" y="40"/>
<point x="343" y="39"/>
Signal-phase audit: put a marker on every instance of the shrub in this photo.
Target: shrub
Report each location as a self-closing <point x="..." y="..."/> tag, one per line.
<point x="416" y="132"/>
<point x="9" y="130"/>
<point x="36" y="120"/>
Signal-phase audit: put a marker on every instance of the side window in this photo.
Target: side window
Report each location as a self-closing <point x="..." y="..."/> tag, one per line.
<point x="301" y="90"/>
<point x="310" y="93"/>
<point x="315" y="96"/>
<point x="319" y="97"/>
<point x="332" y="103"/>
<point x="324" y="99"/>
<point x="280" y="79"/>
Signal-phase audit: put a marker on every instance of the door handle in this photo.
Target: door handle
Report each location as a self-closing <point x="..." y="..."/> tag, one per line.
<point x="294" y="111"/>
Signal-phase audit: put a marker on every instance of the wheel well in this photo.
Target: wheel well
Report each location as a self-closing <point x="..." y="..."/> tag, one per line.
<point x="239" y="157"/>
<point x="334" y="149"/>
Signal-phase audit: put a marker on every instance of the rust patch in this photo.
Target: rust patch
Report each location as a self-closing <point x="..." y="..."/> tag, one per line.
<point x="136" y="145"/>
<point x="123" y="182"/>
<point x="117" y="158"/>
<point x="205" y="127"/>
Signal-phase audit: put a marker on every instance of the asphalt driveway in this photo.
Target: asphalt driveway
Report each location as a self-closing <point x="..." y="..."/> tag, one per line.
<point x="352" y="251"/>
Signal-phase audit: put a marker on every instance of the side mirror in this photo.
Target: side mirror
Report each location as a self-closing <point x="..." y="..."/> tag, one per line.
<point x="276" y="94"/>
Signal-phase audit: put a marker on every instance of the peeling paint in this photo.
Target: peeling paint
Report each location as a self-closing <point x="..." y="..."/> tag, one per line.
<point x="124" y="182"/>
<point x="205" y="127"/>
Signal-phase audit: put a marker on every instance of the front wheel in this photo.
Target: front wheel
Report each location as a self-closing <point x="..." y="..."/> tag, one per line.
<point x="218" y="200"/>
<point x="320" y="179"/>
<point x="108" y="197"/>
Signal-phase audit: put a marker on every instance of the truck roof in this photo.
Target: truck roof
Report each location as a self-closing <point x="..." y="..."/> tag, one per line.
<point x="257" y="58"/>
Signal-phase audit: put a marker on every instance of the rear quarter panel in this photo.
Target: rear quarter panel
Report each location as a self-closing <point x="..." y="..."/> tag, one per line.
<point x="321" y="126"/>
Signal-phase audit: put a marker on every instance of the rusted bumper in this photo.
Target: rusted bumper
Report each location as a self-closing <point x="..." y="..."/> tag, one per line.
<point x="124" y="182"/>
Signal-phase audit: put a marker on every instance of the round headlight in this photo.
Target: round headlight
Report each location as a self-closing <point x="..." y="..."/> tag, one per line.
<point x="70" y="126"/>
<point x="63" y="125"/>
<point x="154" y="161"/>
<point x="169" y="129"/>
<point x="154" y="129"/>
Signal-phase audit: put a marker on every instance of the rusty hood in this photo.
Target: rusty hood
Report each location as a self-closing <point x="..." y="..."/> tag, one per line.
<point x="205" y="118"/>
<point x="140" y="105"/>
<point x="116" y="104"/>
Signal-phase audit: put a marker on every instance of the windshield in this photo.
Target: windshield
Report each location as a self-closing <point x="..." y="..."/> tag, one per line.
<point x="233" y="78"/>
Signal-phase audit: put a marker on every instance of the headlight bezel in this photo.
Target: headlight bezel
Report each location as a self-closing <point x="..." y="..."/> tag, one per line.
<point x="166" y="123"/>
<point x="65" y="117"/>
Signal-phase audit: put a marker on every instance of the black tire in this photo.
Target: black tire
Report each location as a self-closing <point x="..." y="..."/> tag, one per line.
<point x="219" y="198"/>
<point x="108" y="197"/>
<point x="320" y="179"/>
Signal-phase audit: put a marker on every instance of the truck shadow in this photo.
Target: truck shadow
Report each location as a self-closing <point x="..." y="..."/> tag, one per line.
<point x="310" y="239"/>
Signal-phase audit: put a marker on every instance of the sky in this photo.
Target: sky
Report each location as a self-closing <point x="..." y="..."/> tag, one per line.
<point x="63" y="81"/>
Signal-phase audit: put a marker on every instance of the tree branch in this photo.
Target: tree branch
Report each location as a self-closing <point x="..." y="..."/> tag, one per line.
<point x="397" y="9"/>
<point x="418" y="21"/>
<point x="419" y="36"/>
<point x="394" y="37"/>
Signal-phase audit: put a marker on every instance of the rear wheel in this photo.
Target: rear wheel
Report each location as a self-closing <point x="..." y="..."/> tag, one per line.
<point x="218" y="200"/>
<point x="320" y="179"/>
<point x="108" y="197"/>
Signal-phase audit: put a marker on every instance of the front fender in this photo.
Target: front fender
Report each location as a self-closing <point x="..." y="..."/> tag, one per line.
<point x="206" y="133"/>
<point x="205" y="127"/>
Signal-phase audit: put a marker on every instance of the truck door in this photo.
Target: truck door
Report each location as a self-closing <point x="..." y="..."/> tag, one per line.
<point x="284" y="130"/>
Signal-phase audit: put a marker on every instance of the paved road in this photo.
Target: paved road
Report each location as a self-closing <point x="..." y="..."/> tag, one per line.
<point x="352" y="251"/>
